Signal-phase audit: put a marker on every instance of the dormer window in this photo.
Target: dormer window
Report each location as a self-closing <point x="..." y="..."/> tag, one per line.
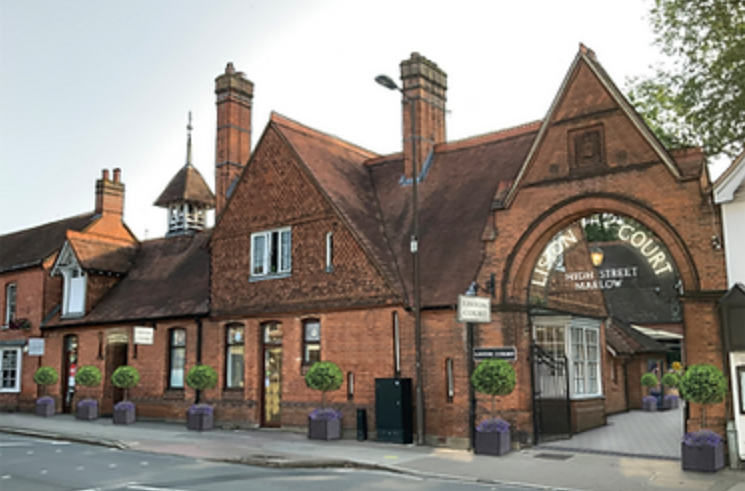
<point x="271" y="253"/>
<point x="74" y="283"/>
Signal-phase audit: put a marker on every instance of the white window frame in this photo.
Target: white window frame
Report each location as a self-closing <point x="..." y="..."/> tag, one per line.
<point x="11" y="300"/>
<point x="263" y="257"/>
<point x="231" y="345"/>
<point x="571" y="326"/>
<point x="67" y="265"/>
<point x="18" y="370"/>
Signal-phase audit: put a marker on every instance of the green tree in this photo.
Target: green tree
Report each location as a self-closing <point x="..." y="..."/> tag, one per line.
<point x="649" y="380"/>
<point x="125" y="377"/>
<point x="324" y="376"/>
<point x="671" y="380"/>
<point x="45" y="376"/>
<point x="703" y="384"/>
<point x="697" y="96"/>
<point x="494" y="378"/>
<point x="88" y="376"/>
<point x="201" y="377"/>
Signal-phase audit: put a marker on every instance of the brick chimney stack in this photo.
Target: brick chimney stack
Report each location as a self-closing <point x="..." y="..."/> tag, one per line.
<point x="234" y="95"/>
<point x="110" y="194"/>
<point x="425" y="84"/>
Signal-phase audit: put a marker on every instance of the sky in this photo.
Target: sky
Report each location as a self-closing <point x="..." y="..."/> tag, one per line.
<point x="90" y="85"/>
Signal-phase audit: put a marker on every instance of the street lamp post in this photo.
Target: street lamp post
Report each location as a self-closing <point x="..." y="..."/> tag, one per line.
<point x="387" y="82"/>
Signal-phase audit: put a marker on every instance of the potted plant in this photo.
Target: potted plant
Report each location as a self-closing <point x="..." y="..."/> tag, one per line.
<point x="125" y="377"/>
<point x="44" y="377"/>
<point x="671" y="380"/>
<point x="649" y="402"/>
<point x="87" y="376"/>
<point x="200" y="417"/>
<point x="324" y="423"/>
<point x="493" y="378"/>
<point x="703" y="450"/>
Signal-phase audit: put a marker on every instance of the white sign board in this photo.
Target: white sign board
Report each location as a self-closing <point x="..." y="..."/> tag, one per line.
<point x="36" y="346"/>
<point x="143" y="335"/>
<point x="474" y="309"/>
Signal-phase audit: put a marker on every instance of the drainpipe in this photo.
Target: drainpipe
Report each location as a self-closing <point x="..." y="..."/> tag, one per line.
<point x="199" y="355"/>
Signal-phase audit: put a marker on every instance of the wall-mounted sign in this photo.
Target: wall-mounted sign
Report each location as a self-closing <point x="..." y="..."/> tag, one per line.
<point x="143" y="335"/>
<point x="474" y="309"/>
<point x="36" y="346"/>
<point x="508" y="353"/>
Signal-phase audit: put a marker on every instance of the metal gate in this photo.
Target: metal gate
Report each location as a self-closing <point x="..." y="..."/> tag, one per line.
<point x="552" y="417"/>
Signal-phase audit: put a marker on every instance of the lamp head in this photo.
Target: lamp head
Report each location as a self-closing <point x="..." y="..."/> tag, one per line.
<point x="386" y="82"/>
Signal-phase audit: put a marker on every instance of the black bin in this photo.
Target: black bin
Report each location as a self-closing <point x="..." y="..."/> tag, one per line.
<point x="361" y="424"/>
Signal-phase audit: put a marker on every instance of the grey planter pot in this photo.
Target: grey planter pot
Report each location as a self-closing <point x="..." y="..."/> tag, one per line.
<point x="702" y="459"/>
<point x="124" y="416"/>
<point x="45" y="408"/>
<point x="86" y="412"/>
<point x="324" y="429"/>
<point x="494" y="443"/>
<point x="199" y="421"/>
<point x="672" y="403"/>
<point x="649" y="405"/>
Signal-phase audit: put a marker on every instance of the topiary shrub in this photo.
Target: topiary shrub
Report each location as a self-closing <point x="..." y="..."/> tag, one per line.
<point x="324" y="376"/>
<point x="45" y="376"/>
<point x="125" y="377"/>
<point x="671" y="380"/>
<point x="649" y="380"/>
<point x="88" y="376"/>
<point x="494" y="378"/>
<point x="201" y="377"/>
<point x="703" y="384"/>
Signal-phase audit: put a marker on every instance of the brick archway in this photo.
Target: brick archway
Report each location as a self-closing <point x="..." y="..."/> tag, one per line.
<point x="521" y="260"/>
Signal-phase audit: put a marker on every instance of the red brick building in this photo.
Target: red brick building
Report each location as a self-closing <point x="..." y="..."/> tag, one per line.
<point x="310" y="259"/>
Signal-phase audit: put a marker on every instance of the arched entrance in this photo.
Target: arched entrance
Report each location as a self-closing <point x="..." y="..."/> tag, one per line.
<point x="603" y="307"/>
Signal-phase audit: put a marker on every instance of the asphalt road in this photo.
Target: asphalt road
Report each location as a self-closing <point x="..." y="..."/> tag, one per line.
<point x="28" y="464"/>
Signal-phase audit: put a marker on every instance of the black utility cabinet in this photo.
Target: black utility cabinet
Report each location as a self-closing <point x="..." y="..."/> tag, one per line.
<point x="393" y="410"/>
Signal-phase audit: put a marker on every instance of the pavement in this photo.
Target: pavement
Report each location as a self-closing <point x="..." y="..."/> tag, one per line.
<point x="539" y="467"/>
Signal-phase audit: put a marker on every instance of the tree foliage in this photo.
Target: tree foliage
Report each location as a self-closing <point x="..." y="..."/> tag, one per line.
<point x="88" y="376"/>
<point x="201" y="377"/>
<point x="494" y="378"/>
<point x="671" y="379"/>
<point x="324" y="376"/>
<point x="703" y="384"/>
<point x="649" y="380"/>
<point x="696" y="97"/>
<point x="46" y="376"/>
<point x="125" y="377"/>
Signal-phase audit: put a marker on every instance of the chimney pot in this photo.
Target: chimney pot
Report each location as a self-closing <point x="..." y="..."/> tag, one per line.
<point x="117" y="174"/>
<point x="105" y="174"/>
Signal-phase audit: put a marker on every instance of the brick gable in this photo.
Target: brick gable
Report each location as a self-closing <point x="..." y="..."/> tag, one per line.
<point x="275" y="190"/>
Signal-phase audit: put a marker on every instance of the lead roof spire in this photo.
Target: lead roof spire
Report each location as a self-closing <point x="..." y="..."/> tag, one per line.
<point x="188" y="141"/>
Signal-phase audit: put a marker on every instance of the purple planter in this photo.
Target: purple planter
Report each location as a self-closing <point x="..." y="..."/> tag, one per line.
<point x="124" y="415"/>
<point x="492" y="443"/>
<point x="45" y="407"/>
<point x="703" y="458"/>
<point x="199" y="421"/>
<point x="324" y="429"/>
<point x="649" y="404"/>
<point x="672" y="403"/>
<point x="87" y="410"/>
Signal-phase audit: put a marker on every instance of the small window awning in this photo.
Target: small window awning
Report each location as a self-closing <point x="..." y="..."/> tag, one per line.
<point x="658" y="334"/>
<point x="13" y="342"/>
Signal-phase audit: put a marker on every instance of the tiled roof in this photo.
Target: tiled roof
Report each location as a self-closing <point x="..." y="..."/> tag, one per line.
<point x="625" y="340"/>
<point x="187" y="185"/>
<point x="455" y="198"/>
<point x="30" y="247"/>
<point x="169" y="278"/>
<point x="98" y="253"/>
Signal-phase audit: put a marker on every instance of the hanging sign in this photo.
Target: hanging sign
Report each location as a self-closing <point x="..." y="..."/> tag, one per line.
<point x="36" y="346"/>
<point x="474" y="309"/>
<point x="143" y="335"/>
